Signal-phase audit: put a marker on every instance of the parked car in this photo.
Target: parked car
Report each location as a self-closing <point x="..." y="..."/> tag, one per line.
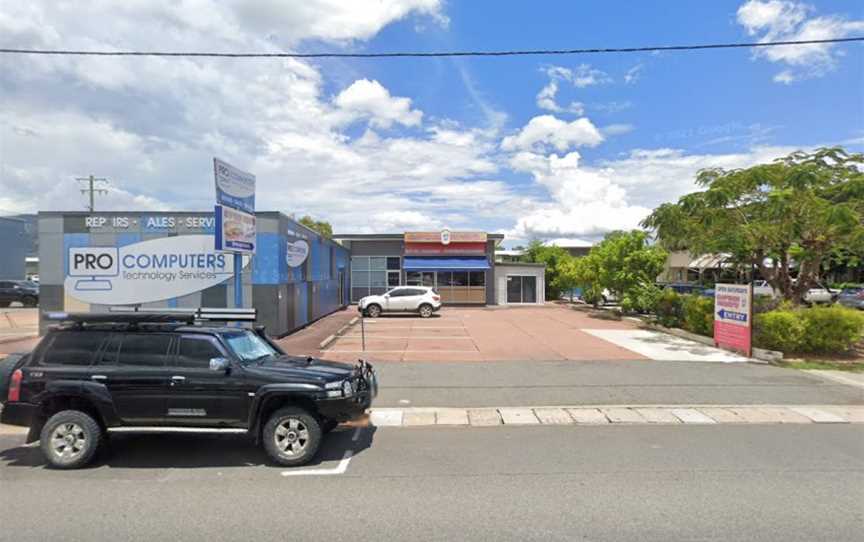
<point x="420" y="299"/>
<point x="685" y="288"/>
<point x="852" y="297"/>
<point x="98" y="373"/>
<point x="816" y="296"/>
<point x="763" y="288"/>
<point x="22" y="291"/>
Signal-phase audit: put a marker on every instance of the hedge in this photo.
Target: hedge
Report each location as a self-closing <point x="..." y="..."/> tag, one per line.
<point x="822" y="330"/>
<point x="698" y="312"/>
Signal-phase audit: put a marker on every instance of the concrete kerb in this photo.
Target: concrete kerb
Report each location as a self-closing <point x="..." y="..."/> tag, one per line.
<point x="339" y="332"/>
<point x="617" y="415"/>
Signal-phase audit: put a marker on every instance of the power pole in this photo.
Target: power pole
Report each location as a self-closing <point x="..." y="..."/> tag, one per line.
<point x="93" y="185"/>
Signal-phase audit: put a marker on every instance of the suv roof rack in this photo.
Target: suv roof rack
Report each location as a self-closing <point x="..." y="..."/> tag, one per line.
<point x="137" y="315"/>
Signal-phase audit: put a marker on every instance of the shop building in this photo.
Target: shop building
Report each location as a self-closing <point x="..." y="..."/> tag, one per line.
<point x="91" y="261"/>
<point x="461" y="266"/>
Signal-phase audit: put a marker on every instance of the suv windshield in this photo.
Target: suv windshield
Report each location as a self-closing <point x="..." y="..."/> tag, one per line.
<point x="249" y="347"/>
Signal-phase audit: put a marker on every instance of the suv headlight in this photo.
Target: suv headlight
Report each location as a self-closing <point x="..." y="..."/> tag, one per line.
<point x="347" y="389"/>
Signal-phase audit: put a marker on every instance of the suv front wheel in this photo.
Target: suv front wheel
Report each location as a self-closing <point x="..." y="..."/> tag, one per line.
<point x="292" y="436"/>
<point x="70" y="439"/>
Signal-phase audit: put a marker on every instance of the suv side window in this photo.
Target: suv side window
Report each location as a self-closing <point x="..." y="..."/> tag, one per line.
<point x="72" y="348"/>
<point x="399" y="292"/>
<point x="144" y="349"/>
<point x="108" y="356"/>
<point x="196" y="352"/>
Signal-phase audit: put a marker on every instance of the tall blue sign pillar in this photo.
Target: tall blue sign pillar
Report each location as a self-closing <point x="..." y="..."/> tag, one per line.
<point x="235" y="218"/>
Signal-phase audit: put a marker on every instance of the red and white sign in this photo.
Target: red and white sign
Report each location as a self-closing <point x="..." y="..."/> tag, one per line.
<point x="451" y="249"/>
<point x="733" y="317"/>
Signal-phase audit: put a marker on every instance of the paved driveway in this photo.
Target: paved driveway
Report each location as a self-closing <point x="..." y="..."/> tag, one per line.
<point x="548" y="333"/>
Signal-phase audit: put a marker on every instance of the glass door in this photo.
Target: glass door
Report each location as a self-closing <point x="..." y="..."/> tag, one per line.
<point x="521" y="289"/>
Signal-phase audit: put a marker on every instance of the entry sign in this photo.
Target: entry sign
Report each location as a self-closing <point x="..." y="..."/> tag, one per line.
<point x="733" y="317"/>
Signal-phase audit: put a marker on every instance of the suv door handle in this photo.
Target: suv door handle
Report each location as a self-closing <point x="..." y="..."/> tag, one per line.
<point x="99" y="378"/>
<point x="177" y="379"/>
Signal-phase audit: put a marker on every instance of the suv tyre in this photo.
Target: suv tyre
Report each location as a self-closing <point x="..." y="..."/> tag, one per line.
<point x="292" y="436"/>
<point x="373" y="310"/>
<point x="425" y="310"/>
<point x="29" y="301"/>
<point x="70" y="439"/>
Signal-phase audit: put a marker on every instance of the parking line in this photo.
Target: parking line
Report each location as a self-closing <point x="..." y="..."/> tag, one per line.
<point x="338" y="469"/>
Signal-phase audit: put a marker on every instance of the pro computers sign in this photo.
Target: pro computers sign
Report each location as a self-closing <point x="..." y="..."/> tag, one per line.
<point x="148" y="271"/>
<point x="733" y="317"/>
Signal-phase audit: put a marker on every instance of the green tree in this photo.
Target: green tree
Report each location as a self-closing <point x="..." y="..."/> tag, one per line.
<point x="626" y="265"/>
<point x="800" y="213"/>
<point x="320" y="226"/>
<point x="553" y="257"/>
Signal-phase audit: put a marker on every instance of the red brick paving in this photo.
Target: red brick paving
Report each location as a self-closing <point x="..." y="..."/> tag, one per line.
<point x="551" y="332"/>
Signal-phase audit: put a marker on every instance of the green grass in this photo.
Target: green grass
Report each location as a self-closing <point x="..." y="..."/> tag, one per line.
<point x="853" y="366"/>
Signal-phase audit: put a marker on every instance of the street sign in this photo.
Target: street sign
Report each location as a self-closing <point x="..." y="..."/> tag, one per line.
<point x="733" y="315"/>
<point x="234" y="188"/>
<point x="235" y="217"/>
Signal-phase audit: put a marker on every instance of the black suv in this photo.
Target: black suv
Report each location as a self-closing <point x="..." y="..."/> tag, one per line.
<point x="98" y="373"/>
<point x="23" y="291"/>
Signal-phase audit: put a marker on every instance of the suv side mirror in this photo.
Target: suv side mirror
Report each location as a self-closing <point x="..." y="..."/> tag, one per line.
<point x="219" y="364"/>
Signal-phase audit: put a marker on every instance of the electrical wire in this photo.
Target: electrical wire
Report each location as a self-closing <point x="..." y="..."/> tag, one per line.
<point x="421" y="54"/>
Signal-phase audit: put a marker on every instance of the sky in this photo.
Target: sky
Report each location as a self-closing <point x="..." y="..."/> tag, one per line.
<point x="539" y="147"/>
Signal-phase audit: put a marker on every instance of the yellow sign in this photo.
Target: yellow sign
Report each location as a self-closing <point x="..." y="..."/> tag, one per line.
<point x="437" y="237"/>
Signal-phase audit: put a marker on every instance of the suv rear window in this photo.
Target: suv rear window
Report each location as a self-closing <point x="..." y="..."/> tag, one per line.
<point x="72" y="348"/>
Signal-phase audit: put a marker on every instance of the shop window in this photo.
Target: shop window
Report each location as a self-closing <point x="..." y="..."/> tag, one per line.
<point x="393" y="263"/>
<point x="377" y="263"/>
<point x="478" y="278"/>
<point x="393" y="278"/>
<point x="445" y="278"/>
<point x="460" y="278"/>
<point x="360" y="263"/>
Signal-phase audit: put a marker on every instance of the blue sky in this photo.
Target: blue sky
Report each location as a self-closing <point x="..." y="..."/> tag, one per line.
<point x="535" y="147"/>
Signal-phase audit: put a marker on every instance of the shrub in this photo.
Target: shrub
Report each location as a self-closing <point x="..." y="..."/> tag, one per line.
<point x="669" y="309"/>
<point x="698" y="312"/>
<point x="831" y="329"/>
<point x="641" y="298"/>
<point x="782" y="330"/>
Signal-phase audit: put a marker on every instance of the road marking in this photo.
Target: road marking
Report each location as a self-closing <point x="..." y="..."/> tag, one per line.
<point x="338" y="469"/>
<point x="661" y="346"/>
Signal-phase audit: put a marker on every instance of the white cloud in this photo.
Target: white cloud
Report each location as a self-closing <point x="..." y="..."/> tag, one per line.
<point x="580" y="77"/>
<point x="590" y="201"/>
<point x="369" y="99"/>
<point x="786" y="20"/>
<point x="617" y="129"/>
<point x="333" y="20"/>
<point x="633" y="74"/>
<point x="547" y="130"/>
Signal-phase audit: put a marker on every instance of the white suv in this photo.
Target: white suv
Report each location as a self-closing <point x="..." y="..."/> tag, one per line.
<point x="420" y="299"/>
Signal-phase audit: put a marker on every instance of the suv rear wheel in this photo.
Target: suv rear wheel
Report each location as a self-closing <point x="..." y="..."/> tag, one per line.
<point x="70" y="439"/>
<point x="292" y="436"/>
<point x="29" y="301"/>
<point x="425" y="310"/>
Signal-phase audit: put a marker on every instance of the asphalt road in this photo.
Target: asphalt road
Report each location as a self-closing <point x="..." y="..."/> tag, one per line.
<point x="665" y="483"/>
<point x="535" y="383"/>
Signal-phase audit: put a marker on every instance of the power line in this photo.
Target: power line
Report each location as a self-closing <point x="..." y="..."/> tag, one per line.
<point x="528" y="52"/>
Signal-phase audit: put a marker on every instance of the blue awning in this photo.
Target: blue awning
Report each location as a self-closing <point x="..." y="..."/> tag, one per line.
<point x="445" y="264"/>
